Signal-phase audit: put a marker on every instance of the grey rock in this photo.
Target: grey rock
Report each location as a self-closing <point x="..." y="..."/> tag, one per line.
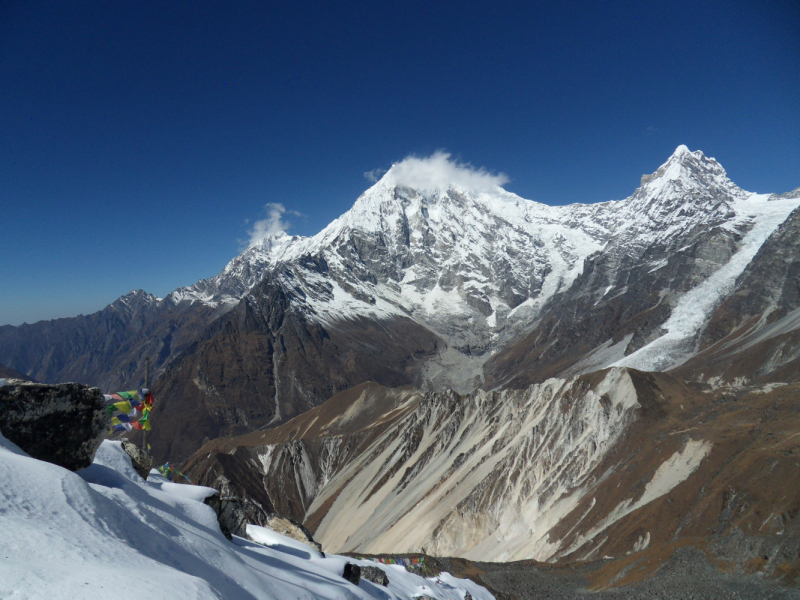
<point x="234" y="513"/>
<point x="375" y="575"/>
<point x="290" y="528"/>
<point x="352" y="573"/>
<point x="62" y="424"/>
<point x="140" y="460"/>
<point x="231" y="515"/>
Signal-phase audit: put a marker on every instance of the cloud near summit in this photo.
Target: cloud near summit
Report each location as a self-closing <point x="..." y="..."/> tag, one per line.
<point x="273" y="224"/>
<point x="439" y="172"/>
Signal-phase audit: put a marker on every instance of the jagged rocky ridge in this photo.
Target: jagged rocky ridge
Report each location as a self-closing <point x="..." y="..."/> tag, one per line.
<point x="440" y="287"/>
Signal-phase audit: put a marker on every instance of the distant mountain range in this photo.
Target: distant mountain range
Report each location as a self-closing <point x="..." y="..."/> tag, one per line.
<point x="449" y="287"/>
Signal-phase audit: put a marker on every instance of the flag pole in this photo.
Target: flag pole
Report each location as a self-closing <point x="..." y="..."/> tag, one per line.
<point x="147" y="385"/>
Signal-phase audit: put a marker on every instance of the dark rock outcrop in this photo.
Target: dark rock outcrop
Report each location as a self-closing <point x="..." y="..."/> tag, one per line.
<point x="62" y="424"/>
<point x="352" y="573"/>
<point x="375" y="575"/>
<point x="230" y="514"/>
<point x="140" y="460"/>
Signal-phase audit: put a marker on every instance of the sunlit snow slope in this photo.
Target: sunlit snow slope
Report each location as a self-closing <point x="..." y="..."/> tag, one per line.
<point x="104" y="533"/>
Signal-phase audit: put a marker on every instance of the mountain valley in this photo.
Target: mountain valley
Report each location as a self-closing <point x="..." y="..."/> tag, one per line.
<point x="453" y="370"/>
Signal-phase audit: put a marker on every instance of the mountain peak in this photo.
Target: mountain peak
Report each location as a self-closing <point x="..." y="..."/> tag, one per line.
<point x="685" y="167"/>
<point x="681" y="150"/>
<point x="135" y="300"/>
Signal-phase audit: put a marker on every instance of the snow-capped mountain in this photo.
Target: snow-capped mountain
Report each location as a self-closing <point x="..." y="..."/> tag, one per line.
<point x="437" y="277"/>
<point x="476" y="267"/>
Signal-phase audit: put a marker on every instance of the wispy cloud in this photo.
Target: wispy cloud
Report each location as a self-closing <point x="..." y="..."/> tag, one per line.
<point x="650" y="128"/>
<point x="272" y="225"/>
<point x="374" y="175"/>
<point x="439" y="172"/>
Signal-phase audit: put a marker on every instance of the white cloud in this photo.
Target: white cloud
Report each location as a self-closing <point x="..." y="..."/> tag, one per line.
<point x="439" y="172"/>
<point x="273" y="224"/>
<point x="374" y="175"/>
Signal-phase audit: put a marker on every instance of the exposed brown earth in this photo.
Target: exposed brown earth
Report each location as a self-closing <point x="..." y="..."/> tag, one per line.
<point x="361" y="414"/>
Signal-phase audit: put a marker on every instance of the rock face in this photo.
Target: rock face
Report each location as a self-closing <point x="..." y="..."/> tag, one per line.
<point x="269" y="362"/>
<point x="352" y="573"/>
<point x="754" y="335"/>
<point x="292" y="529"/>
<point x="62" y="424"/>
<point x="231" y="514"/>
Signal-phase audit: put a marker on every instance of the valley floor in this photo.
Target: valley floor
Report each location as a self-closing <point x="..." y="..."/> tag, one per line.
<point x="687" y="575"/>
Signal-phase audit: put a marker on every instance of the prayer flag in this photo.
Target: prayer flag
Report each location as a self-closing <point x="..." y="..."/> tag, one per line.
<point x="129" y="410"/>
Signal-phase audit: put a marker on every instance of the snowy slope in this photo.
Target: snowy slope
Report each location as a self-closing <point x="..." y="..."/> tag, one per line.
<point x="103" y="533"/>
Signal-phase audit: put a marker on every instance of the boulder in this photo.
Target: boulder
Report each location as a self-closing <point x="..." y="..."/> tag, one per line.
<point x="234" y="513"/>
<point x="140" y="460"/>
<point x="230" y="514"/>
<point x="352" y="573"/>
<point x="62" y="424"/>
<point x="290" y="528"/>
<point x="375" y="575"/>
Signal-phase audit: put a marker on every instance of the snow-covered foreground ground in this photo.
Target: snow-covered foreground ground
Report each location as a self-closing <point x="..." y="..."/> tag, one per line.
<point x="104" y="533"/>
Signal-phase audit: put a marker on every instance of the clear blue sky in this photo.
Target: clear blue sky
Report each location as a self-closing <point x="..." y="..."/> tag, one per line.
<point x="136" y="138"/>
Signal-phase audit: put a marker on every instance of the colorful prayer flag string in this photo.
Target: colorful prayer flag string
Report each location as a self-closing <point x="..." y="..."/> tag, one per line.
<point x="129" y="410"/>
<point x="169" y="472"/>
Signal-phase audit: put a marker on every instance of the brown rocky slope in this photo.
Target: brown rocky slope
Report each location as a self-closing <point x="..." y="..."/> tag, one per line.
<point x="714" y="468"/>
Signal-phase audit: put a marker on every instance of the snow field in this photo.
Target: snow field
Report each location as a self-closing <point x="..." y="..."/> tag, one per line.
<point x="105" y="533"/>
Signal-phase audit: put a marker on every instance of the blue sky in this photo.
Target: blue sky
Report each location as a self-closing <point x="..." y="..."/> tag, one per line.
<point x="138" y="138"/>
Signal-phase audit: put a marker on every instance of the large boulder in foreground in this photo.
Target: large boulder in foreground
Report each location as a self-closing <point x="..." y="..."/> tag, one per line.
<point x="62" y="424"/>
